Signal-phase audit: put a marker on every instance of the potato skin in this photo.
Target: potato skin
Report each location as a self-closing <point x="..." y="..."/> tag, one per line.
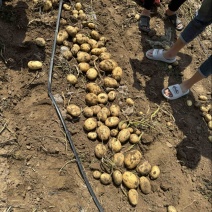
<point x="123" y="135"/>
<point x="117" y="73"/>
<point x="35" y="65"/>
<point x="103" y="132"/>
<point x="133" y="197"/>
<point x="143" y="168"/>
<point x="130" y="180"/>
<point x="115" y="110"/>
<point x="93" y="88"/>
<point x="90" y="124"/>
<point x="114" y="144"/>
<point x="117" y="177"/>
<point x="73" y="110"/>
<point x="145" y="185"/>
<point x="61" y="36"/>
<point x="108" y="65"/>
<point x="110" y="82"/>
<point x="154" y="173"/>
<point x="105" y="179"/>
<point x="91" y="99"/>
<point x="100" y="150"/>
<point x="118" y="159"/>
<point x="83" y="57"/>
<point x="112" y="121"/>
<point x="132" y="159"/>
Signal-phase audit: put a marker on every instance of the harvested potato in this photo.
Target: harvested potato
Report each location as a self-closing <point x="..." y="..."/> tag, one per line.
<point x="66" y="43"/>
<point x="114" y="144"/>
<point x="133" y="197"/>
<point x="61" y="36"/>
<point x="108" y="65"/>
<point x="72" y="31"/>
<point x="102" y="98"/>
<point x="35" y="65"/>
<point x="83" y="66"/>
<point x="88" y="112"/>
<point x="171" y="209"/>
<point x="130" y="129"/>
<point x="82" y="16"/>
<point x="208" y="117"/>
<point x="96" y="109"/>
<point x="106" y="111"/>
<point x="105" y="179"/>
<point x="130" y="102"/>
<point x="104" y="39"/>
<point x="78" y="6"/>
<point x="132" y="159"/>
<point x="115" y="110"/>
<point x="83" y="57"/>
<point x="117" y="73"/>
<point x="91" y="99"/>
<point x="75" y="12"/>
<point x="75" y="49"/>
<point x="66" y="7"/>
<point x="117" y="177"/>
<point x="118" y="159"/>
<point x="101" y="116"/>
<point x="47" y="5"/>
<point x="104" y="55"/>
<point x="114" y="132"/>
<point x="91" y="74"/>
<point x="91" y="25"/>
<point x="104" y="49"/>
<point x="112" y="121"/>
<point x="154" y="173"/>
<point x="67" y="54"/>
<point x="72" y="79"/>
<point x="203" y="108"/>
<point x="100" y="150"/>
<point x="92" y="135"/>
<point x="73" y="110"/>
<point x="111" y="95"/>
<point x="144" y="168"/>
<point x="103" y="132"/>
<point x="96" y="51"/>
<point x="123" y="135"/>
<point x="81" y="38"/>
<point x="90" y="124"/>
<point x="122" y="125"/>
<point x="100" y="44"/>
<point x="134" y="138"/>
<point x="40" y="42"/>
<point x="145" y="185"/>
<point x="130" y="180"/>
<point x="95" y="35"/>
<point x="96" y="174"/>
<point x="203" y="98"/>
<point x="93" y="88"/>
<point x="210" y="125"/>
<point x="85" y="47"/>
<point x="110" y="82"/>
<point x="93" y="43"/>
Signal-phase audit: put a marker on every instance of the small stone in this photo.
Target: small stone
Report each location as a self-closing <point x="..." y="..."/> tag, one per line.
<point x="169" y="67"/>
<point x="189" y="103"/>
<point x="29" y="188"/>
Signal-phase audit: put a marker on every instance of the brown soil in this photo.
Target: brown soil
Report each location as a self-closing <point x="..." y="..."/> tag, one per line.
<point x="38" y="169"/>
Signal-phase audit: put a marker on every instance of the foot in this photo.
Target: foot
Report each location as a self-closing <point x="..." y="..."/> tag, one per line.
<point x="144" y="21"/>
<point x="149" y="54"/>
<point x="174" y="19"/>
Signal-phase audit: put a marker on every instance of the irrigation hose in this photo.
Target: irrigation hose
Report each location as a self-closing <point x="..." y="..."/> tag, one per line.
<point x="60" y="115"/>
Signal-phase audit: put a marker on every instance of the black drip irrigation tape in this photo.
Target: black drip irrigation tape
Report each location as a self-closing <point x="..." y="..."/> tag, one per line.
<point x="61" y="118"/>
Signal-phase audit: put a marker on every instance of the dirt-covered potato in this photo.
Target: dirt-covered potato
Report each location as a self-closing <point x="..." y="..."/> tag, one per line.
<point x="81" y="38"/>
<point x="112" y="121"/>
<point x="73" y="110"/>
<point x="134" y="138"/>
<point x="110" y="82"/>
<point x="83" y="57"/>
<point x="117" y="177"/>
<point x="103" y="132"/>
<point x="67" y="54"/>
<point x="96" y="174"/>
<point x="115" y="110"/>
<point x="88" y="112"/>
<point x="117" y="73"/>
<point x="112" y="95"/>
<point x="40" y="42"/>
<point x="91" y="25"/>
<point x="130" y="102"/>
<point x="85" y="47"/>
<point x="208" y="117"/>
<point x="93" y="88"/>
<point x="72" y="79"/>
<point x="95" y="35"/>
<point x="122" y="125"/>
<point x="100" y="44"/>
<point x="75" y="49"/>
<point x="210" y="125"/>
<point x="66" y="7"/>
<point x="133" y="197"/>
<point x="93" y="43"/>
<point x="123" y="135"/>
<point x="108" y="65"/>
<point x="91" y="74"/>
<point x="104" y="56"/>
<point x="100" y="150"/>
<point x="78" y="6"/>
<point x="96" y="109"/>
<point x="143" y="168"/>
<point x="91" y="99"/>
<point x="114" y="144"/>
<point x="171" y="209"/>
<point x="35" y="65"/>
<point x="154" y="173"/>
<point x="92" y="135"/>
<point x="106" y="111"/>
<point x="47" y="5"/>
<point x="61" y="36"/>
<point x="84" y="67"/>
<point x="114" y="132"/>
<point x="72" y="31"/>
<point x="82" y="16"/>
<point x="102" y="98"/>
<point x="132" y="159"/>
<point x="130" y="180"/>
<point x="145" y="185"/>
<point x="105" y="179"/>
<point x="130" y="129"/>
<point x="118" y="159"/>
<point x="90" y="124"/>
<point x="101" y="116"/>
<point x="96" y="51"/>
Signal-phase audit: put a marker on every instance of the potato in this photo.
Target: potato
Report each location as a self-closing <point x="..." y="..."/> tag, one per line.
<point x="75" y="12"/>
<point x="129" y="101"/>
<point x="104" y="49"/>
<point x="96" y="51"/>
<point x="130" y="180"/>
<point x="117" y="177"/>
<point x="105" y="179"/>
<point x="118" y="159"/>
<point x="122" y="125"/>
<point x="203" y="108"/>
<point x="81" y="38"/>
<point x="154" y="173"/>
<point x="132" y="159"/>
<point x="145" y="185"/>
<point x="96" y="174"/>
<point x="110" y="82"/>
<point x="83" y="66"/>
<point x="106" y="111"/>
<point x="108" y="65"/>
<point x="91" y="74"/>
<point x="115" y="110"/>
<point x="91" y="99"/>
<point x="85" y="47"/>
<point x="208" y="117"/>
<point x="95" y="35"/>
<point x="103" y="133"/>
<point x="171" y="209"/>
<point x="144" y="168"/>
<point x="82" y="16"/>
<point x="90" y="124"/>
<point x="117" y="73"/>
<point x="133" y="197"/>
<point x="130" y="129"/>
<point x="210" y="125"/>
<point x="61" y="36"/>
<point x="73" y="110"/>
<point x="123" y="135"/>
<point x="40" y="42"/>
<point x="78" y="6"/>
<point x="111" y="95"/>
<point x="72" y="79"/>
<point x="112" y="121"/>
<point x="100" y="150"/>
<point x="114" y="144"/>
<point x="47" y="5"/>
<point x="101" y="116"/>
<point x="102" y="98"/>
<point x="83" y="57"/>
<point x="88" y="112"/>
<point x="203" y="98"/>
<point x="92" y="135"/>
<point x="93" y="43"/>
<point x="35" y="65"/>
<point x="72" y="31"/>
<point x="67" y="54"/>
<point x="104" y="39"/>
<point x="93" y="88"/>
<point x="100" y="44"/>
<point x="134" y="138"/>
<point x="114" y="132"/>
<point x="91" y="25"/>
<point x="66" y="7"/>
<point x="75" y="49"/>
<point x="104" y="55"/>
<point x="96" y="109"/>
<point x="63" y="21"/>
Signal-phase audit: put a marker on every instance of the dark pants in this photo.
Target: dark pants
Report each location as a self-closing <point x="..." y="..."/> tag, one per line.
<point x="173" y="5"/>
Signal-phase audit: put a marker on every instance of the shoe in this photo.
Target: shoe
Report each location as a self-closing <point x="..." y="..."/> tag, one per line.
<point x="144" y="23"/>
<point x="174" y="19"/>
